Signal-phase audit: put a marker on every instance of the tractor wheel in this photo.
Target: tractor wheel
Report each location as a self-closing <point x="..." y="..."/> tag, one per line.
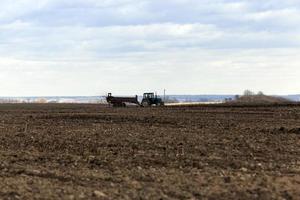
<point x="145" y="104"/>
<point x="160" y="104"/>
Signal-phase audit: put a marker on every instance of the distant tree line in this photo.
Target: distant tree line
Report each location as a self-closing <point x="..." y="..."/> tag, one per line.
<point x="251" y="93"/>
<point x="246" y="93"/>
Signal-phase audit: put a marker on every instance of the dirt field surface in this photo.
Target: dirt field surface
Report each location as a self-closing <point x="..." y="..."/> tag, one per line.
<point x="200" y="152"/>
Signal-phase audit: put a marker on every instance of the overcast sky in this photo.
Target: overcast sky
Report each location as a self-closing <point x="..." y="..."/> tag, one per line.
<point x="90" y="47"/>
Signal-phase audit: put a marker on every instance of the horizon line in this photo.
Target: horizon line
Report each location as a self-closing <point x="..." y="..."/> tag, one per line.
<point x="52" y="96"/>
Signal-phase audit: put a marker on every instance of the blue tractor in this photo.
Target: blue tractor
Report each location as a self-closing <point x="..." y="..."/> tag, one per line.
<point x="150" y="99"/>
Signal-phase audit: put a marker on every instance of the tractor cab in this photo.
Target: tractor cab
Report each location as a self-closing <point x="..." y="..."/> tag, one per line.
<point x="150" y="99"/>
<point x="148" y="96"/>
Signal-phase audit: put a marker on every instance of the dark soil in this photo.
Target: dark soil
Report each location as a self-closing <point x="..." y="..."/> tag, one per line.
<point x="94" y="152"/>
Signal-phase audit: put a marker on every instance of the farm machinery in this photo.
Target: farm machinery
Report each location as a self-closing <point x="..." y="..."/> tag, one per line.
<point x="149" y="99"/>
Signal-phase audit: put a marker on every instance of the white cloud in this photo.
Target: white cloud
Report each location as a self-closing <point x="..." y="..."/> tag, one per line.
<point x="133" y="45"/>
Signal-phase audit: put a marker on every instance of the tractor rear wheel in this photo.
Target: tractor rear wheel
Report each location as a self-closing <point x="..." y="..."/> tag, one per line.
<point x="145" y="103"/>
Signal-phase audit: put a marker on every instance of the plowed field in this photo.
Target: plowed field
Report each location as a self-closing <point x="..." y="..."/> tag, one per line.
<point x="200" y="152"/>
